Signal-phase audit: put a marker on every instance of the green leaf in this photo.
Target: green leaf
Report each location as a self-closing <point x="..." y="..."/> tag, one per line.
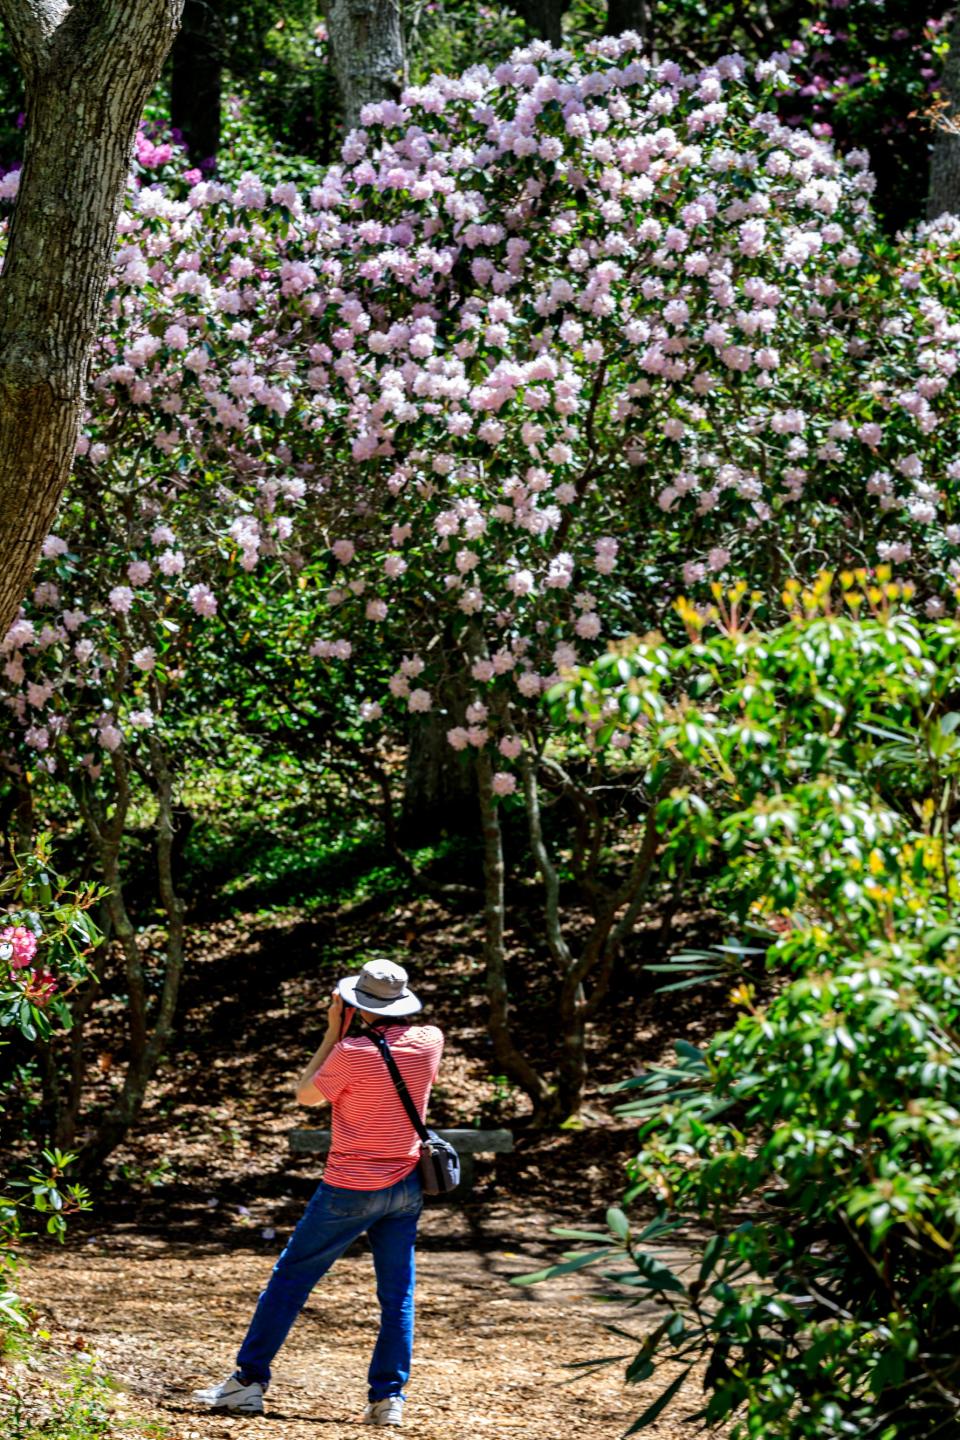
<point x="565" y="1267"/>
<point x="653" y="1411"/>
<point x="712" y="1252"/>
<point x="618" y="1222"/>
<point x="565" y="1234"/>
<point x="650" y="1273"/>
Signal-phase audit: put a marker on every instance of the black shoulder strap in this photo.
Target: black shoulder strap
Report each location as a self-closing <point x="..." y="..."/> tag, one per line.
<point x="406" y="1099"/>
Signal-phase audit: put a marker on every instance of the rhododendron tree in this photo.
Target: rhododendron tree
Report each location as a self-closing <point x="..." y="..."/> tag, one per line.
<point x="550" y="345"/>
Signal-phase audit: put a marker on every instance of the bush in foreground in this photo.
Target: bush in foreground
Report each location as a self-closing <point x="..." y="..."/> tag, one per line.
<point x="818" y="1139"/>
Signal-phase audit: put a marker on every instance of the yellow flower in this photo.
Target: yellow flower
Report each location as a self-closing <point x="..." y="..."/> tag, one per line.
<point x="876" y="863"/>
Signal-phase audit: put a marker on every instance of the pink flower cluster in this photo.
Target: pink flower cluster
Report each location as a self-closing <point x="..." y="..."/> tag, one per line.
<point x="18" y="945"/>
<point x="552" y="343"/>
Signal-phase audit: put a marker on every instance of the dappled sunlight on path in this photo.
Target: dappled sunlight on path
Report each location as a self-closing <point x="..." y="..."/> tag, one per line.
<point x="489" y="1361"/>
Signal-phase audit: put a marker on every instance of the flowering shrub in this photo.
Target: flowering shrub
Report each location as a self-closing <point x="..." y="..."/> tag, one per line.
<point x="551" y="344"/>
<point x="46" y="938"/>
<point x="680" y="331"/>
<point x="822" y="763"/>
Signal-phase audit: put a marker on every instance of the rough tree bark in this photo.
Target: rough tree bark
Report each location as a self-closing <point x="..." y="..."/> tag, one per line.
<point x="366" y="43"/>
<point x="196" y="78"/>
<point x="88" y="69"/>
<point x="944" y="194"/>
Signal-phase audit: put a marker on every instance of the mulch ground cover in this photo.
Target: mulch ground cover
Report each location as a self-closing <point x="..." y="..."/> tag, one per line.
<point x="160" y="1280"/>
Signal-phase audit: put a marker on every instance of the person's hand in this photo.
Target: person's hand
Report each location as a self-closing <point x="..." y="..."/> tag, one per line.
<point x="335" y="1013"/>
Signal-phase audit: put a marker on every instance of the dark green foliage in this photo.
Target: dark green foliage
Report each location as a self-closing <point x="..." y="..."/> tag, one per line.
<point x="818" y="1140"/>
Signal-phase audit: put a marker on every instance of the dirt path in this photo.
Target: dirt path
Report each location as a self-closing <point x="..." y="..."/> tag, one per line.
<point x="161" y="1280"/>
<point x="166" y="1317"/>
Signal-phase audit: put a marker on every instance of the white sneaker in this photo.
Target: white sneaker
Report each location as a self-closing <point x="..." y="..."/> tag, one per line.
<point x="384" y="1412"/>
<point x="232" y="1394"/>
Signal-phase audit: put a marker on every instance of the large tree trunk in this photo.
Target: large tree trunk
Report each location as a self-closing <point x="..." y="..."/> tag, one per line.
<point x="439" y="793"/>
<point x="366" y="43"/>
<point x="543" y="17"/>
<point x="88" y="69"/>
<point x="627" y="15"/>
<point x="944" y="193"/>
<point x="195" y="78"/>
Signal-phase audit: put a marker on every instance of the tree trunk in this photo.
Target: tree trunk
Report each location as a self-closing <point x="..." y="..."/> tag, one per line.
<point x="366" y="44"/>
<point x="944" y="193"/>
<point x="88" y="69"/>
<point x="627" y="15"/>
<point x="439" y="793"/>
<point x="149" y="1034"/>
<point x="515" y="1065"/>
<point x="195" y="78"/>
<point x="571" y="1068"/>
<point x="543" y="17"/>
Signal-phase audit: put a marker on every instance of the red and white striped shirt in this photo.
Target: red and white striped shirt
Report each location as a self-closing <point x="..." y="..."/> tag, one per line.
<point x="373" y="1144"/>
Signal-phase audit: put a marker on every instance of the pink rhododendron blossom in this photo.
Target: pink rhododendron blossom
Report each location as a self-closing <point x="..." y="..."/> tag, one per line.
<point x="18" y="946"/>
<point x="110" y="737"/>
<point x="501" y="352"/>
<point x="504" y="783"/>
<point x="203" y="600"/>
<point x="605" y="554"/>
<point x="172" y="562"/>
<point x="46" y="594"/>
<point x="121" y="598"/>
<point x="38" y="695"/>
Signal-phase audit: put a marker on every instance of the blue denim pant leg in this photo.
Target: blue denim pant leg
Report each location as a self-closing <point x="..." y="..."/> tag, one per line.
<point x="333" y="1219"/>
<point x="392" y="1240"/>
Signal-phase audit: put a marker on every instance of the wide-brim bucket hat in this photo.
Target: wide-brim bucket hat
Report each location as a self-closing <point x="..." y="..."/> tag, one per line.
<point x="381" y="988"/>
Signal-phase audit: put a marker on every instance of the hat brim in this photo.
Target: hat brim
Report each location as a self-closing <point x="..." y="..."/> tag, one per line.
<point x="403" y="1005"/>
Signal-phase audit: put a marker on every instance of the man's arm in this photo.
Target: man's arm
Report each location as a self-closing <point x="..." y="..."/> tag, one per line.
<point x="305" y="1090"/>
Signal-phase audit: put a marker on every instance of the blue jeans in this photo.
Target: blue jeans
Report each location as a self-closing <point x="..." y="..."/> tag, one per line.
<point x="333" y="1219"/>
